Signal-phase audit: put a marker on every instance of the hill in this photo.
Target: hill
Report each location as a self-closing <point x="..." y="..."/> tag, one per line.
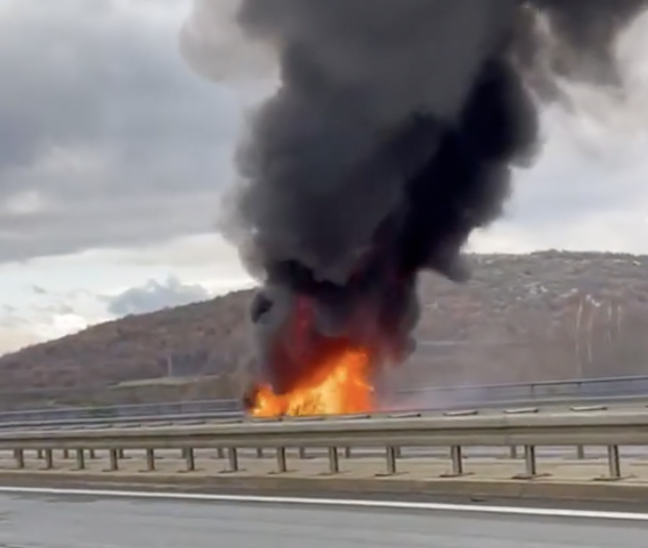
<point x="522" y="317"/>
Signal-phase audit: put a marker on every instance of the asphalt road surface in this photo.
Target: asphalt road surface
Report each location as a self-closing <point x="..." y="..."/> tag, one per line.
<point x="62" y="521"/>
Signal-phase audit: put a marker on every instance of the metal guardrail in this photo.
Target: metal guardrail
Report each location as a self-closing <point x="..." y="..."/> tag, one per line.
<point x="445" y="397"/>
<point x="594" y="387"/>
<point x="124" y="421"/>
<point x="239" y="414"/>
<point x="526" y="428"/>
<point x="120" y="411"/>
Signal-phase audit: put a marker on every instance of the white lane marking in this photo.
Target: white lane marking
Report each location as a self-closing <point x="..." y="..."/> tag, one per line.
<point x="307" y="501"/>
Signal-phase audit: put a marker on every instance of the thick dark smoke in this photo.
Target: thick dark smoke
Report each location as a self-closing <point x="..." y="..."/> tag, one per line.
<point x="390" y="139"/>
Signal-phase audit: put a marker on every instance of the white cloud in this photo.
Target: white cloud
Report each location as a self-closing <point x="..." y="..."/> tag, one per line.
<point x="109" y="139"/>
<point x="588" y="190"/>
<point x="50" y="297"/>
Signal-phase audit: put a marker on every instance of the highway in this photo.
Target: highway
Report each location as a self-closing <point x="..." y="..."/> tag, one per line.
<point x="59" y="520"/>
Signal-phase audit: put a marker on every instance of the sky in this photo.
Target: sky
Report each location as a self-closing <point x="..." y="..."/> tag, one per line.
<point x="118" y="137"/>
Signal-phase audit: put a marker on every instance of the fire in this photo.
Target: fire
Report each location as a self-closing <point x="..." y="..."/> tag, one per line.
<point x="339" y="385"/>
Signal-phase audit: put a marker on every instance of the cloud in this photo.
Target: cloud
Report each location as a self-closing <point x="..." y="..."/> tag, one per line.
<point x="154" y="296"/>
<point x="109" y="139"/>
<point x="18" y="330"/>
<point x="199" y="250"/>
<point x="588" y="189"/>
<point x="14" y="338"/>
<point x="56" y="296"/>
<point x="119" y="122"/>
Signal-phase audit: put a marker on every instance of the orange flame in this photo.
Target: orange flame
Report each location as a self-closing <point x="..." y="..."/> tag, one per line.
<point x="339" y="385"/>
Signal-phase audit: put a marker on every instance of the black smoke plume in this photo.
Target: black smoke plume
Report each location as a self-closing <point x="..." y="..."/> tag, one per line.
<point x="391" y="137"/>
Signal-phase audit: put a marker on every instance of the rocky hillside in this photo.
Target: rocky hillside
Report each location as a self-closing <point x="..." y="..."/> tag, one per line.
<point x="525" y="317"/>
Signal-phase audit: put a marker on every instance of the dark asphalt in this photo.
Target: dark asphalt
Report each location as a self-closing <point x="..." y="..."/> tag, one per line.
<point x="41" y="521"/>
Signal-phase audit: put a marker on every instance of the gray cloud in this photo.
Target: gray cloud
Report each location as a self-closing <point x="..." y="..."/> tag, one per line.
<point x="108" y="139"/>
<point x="154" y="296"/>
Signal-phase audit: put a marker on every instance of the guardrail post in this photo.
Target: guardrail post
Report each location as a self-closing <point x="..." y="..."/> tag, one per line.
<point x="66" y="454"/>
<point x="190" y="459"/>
<point x="92" y="454"/>
<point x="391" y="460"/>
<point x="614" y="462"/>
<point x="150" y="460"/>
<point x="347" y="452"/>
<point x="113" y="458"/>
<point x="513" y="453"/>
<point x="530" y="464"/>
<point x="80" y="459"/>
<point x="302" y="453"/>
<point x="39" y="454"/>
<point x="530" y="461"/>
<point x="121" y="453"/>
<point x="580" y="452"/>
<point x="19" y="455"/>
<point x="334" y="460"/>
<point x="49" y="459"/>
<point x="232" y="457"/>
<point x="456" y="456"/>
<point x="259" y="452"/>
<point x="220" y="453"/>
<point x="282" y="466"/>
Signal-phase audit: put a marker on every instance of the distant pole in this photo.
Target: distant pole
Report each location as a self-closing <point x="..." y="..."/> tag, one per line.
<point x="169" y="365"/>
